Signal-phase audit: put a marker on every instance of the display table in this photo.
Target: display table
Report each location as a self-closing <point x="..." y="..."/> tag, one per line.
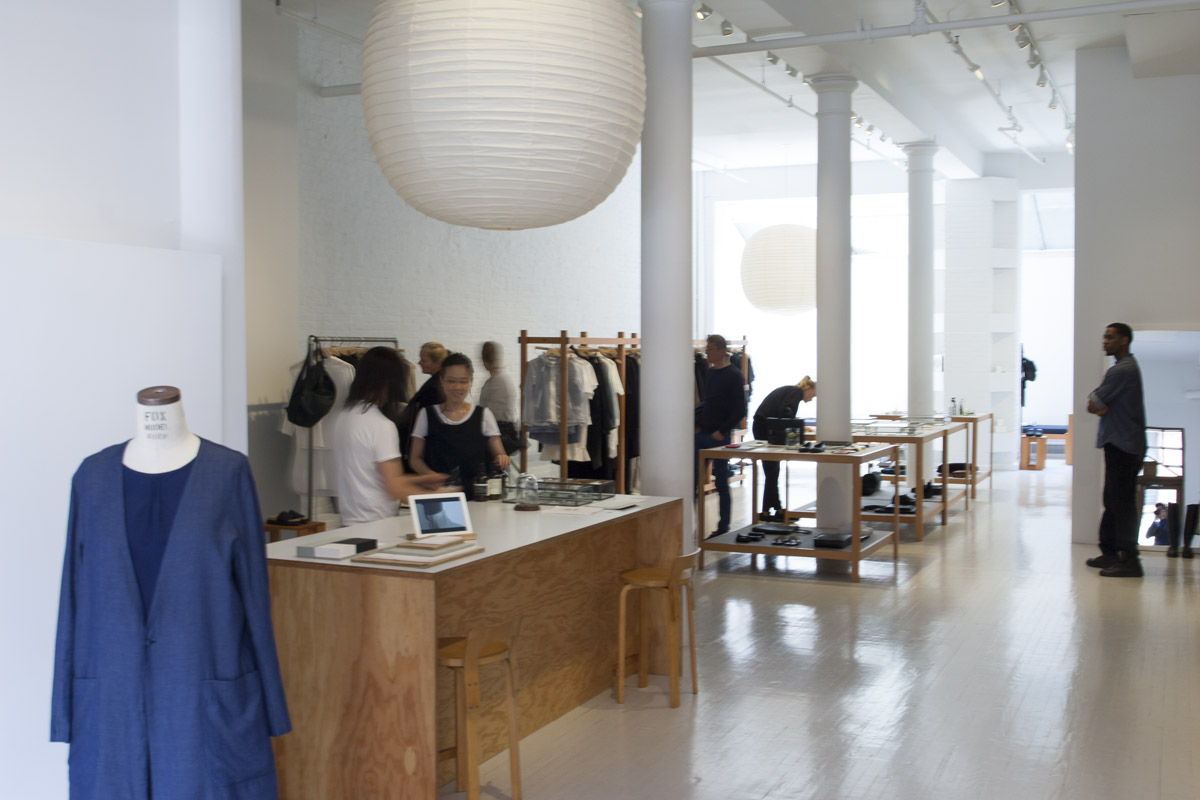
<point x="858" y="549"/>
<point x="357" y="642"/>
<point x="976" y="474"/>
<point x="905" y="432"/>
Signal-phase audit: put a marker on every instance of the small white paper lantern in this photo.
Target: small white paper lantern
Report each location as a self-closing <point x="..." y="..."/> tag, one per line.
<point x="503" y="114"/>
<point x="779" y="269"/>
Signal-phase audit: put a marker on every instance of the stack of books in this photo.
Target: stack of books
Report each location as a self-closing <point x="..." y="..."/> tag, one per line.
<point x="424" y="552"/>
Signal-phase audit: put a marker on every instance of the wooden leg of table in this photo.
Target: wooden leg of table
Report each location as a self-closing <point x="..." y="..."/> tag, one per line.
<point x="621" y="636"/>
<point x="674" y="647"/>
<point x="460" y="729"/>
<point x="945" y="472"/>
<point x="919" y="523"/>
<point x="855" y="522"/>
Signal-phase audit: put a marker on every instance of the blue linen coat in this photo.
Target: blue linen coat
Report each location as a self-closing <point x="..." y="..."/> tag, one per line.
<point x="177" y="701"/>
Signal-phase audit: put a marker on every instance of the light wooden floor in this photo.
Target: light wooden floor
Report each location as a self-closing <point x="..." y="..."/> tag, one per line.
<point x="990" y="664"/>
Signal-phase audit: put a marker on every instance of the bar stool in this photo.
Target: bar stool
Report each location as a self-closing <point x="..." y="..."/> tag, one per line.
<point x="465" y="656"/>
<point x="670" y="582"/>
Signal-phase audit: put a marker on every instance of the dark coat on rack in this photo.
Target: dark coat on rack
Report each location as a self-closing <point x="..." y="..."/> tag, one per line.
<point x="183" y="696"/>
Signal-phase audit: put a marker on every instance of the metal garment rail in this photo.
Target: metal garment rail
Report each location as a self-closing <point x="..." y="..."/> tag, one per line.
<point x="315" y="343"/>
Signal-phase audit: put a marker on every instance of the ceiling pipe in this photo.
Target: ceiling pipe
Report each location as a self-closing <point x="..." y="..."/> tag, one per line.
<point x="920" y="26"/>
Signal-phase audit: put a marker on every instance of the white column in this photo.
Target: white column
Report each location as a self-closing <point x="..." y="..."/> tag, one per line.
<point x="667" y="378"/>
<point x="920" y="286"/>
<point x="211" y="185"/>
<point x="920" y="277"/>
<point x="833" y="287"/>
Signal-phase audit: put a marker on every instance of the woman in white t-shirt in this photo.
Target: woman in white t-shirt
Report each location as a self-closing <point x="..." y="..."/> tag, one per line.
<point x="371" y="476"/>
<point x="455" y="434"/>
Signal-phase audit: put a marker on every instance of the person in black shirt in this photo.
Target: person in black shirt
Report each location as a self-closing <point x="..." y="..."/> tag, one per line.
<point x="781" y="403"/>
<point x="722" y="408"/>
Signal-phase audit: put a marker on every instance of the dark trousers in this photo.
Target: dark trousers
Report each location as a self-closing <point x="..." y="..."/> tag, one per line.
<point x="771" y="497"/>
<point x="720" y="471"/>
<point x="1119" y="525"/>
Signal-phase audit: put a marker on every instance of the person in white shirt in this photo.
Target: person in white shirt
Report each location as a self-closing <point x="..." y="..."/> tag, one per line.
<point x="371" y="476"/>
<point x="454" y="434"/>
<point x="500" y="397"/>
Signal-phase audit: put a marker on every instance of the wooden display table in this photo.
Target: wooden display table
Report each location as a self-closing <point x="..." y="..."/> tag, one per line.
<point x="857" y="551"/>
<point x="357" y="642"/>
<point x="975" y="472"/>
<point x="919" y="435"/>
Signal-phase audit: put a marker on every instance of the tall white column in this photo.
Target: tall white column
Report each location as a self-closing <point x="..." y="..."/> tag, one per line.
<point x="211" y="184"/>
<point x="833" y="287"/>
<point x="667" y="378"/>
<point x="920" y="277"/>
<point x="920" y="286"/>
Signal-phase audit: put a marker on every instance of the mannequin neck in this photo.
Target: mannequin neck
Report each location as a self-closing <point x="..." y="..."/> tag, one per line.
<point x="162" y="442"/>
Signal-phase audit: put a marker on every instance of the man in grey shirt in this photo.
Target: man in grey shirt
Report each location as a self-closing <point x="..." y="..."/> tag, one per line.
<point x="1122" y="434"/>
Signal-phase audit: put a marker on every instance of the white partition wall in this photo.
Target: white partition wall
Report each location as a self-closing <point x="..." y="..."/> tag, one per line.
<point x="94" y="324"/>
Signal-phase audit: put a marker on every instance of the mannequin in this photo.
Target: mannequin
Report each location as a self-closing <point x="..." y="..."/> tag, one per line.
<point x="166" y="681"/>
<point x="163" y="442"/>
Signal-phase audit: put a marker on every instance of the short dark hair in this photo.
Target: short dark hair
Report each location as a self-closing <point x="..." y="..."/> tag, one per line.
<point x="457" y="360"/>
<point x="1122" y="330"/>
<point x="717" y="341"/>
<point x="491" y="353"/>
<point x="380" y="379"/>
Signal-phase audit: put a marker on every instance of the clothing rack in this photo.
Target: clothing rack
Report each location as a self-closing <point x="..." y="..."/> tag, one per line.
<point x="563" y="342"/>
<point x="316" y="343"/>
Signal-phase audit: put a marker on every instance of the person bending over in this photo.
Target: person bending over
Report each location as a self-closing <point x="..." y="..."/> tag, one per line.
<point x="781" y="403"/>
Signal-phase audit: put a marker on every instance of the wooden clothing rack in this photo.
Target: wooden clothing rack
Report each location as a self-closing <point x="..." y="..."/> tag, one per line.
<point x="316" y="343"/>
<point x="563" y="342"/>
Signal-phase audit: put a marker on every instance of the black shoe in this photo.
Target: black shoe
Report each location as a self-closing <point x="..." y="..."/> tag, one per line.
<point x="717" y="532"/>
<point x="1188" y="553"/>
<point x="1124" y="567"/>
<point x="1172" y="552"/>
<point x="1102" y="561"/>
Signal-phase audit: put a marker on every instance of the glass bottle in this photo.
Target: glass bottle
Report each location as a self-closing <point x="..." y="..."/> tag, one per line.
<point x="479" y="487"/>
<point x="495" y="483"/>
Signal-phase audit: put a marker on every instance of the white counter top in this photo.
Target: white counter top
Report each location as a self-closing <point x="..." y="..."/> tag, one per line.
<point x="499" y="528"/>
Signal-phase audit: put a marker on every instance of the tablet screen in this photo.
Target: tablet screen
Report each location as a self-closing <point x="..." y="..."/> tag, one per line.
<point x="440" y="513"/>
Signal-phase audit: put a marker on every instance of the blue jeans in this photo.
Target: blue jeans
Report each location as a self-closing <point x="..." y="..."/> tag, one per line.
<point x="720" y="471"/>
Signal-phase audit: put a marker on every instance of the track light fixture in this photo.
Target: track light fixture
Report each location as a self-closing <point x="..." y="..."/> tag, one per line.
<point x="792" y="71"/>
<point x="726" y="28"/>
<point x="858" y="122"/>
<point x="998" y="3"/>
<point x="1053" y="100"/>
<point x="772" y="58"/>
<point x="870" y="130"/>
<point x="1041" y="81"/>
<point x="703" y="13"/>
<point x="1035" y="60"/>
<point x="1012" y="26"/>
<point x="1023" y="39"/>
<point x="976" y="70"/>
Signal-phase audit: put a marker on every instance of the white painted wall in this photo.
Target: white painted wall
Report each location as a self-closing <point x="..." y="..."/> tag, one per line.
<point x="1137" y="202"/>
<point x="120" y="149"/>
<point x="99" y="322"/>
<point x="371" y="265"/>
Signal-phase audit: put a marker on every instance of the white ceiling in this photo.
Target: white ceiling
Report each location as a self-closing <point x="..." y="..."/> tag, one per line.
<point x="911" y="88"/>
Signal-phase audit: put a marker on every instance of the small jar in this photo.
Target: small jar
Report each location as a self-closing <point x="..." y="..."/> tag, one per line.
<point x="495" y="484"/>
<point x="793" y="439"/>
<point x="479" y="488"/>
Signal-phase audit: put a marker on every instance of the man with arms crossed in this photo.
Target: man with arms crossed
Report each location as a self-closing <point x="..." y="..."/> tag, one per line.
<point x="1122" y="434"/>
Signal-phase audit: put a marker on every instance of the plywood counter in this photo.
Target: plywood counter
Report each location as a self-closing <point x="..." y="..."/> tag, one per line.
<point x="357" y="642"/>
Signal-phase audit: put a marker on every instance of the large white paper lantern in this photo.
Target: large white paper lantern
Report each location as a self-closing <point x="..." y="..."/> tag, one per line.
<point x="779" y="269"/>
<point x="503" y="113"/>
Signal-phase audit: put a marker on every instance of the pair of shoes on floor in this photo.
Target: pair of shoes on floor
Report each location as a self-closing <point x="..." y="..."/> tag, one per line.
<point x="288" y="518"/>
<point x="1174" y="552"/>
<point x="1125" y="565"/>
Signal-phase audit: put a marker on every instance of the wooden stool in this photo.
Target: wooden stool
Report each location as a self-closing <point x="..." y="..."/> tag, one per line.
<point x="1036" y="459"/>
<point x="669" y="582"/>
<point x="481" y="646"/>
